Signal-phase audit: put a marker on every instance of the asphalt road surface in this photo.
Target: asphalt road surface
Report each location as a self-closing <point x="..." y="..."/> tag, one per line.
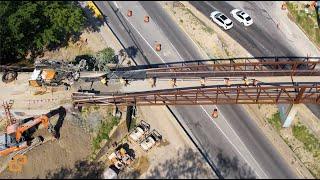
<point x="213" y="138"/>
<point x="270" y="161"/>
<point x="262" y="38"/>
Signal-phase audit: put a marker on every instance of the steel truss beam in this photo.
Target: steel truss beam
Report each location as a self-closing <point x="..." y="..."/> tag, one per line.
<point x="264" y="93"/>
<point x="224" y="68"/>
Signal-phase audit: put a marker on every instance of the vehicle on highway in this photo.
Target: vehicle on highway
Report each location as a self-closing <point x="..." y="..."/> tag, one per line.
<point x="221" y="19"/>
<point x="242" y="17"/>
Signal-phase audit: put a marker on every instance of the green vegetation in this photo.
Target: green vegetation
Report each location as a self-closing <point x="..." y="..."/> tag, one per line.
<point x="29" y="27"/>
<point x="208" y="29"/>
<point x="307" y="22"/>
<point x="311" y="143"/>
<point x="104" y="131"/>
<point x="133" y="123"/>
<point x="105" y="57"/>
<point x="275" y="121"/>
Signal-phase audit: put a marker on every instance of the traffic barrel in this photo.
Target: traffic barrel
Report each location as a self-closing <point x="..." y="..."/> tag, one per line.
<point x="146" y="19"/>
<point x="158" y="47"/>
<point x="129" y="14"/>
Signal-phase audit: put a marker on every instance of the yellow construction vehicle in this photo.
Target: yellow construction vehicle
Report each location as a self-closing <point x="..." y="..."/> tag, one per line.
<point x="54" y="73"/>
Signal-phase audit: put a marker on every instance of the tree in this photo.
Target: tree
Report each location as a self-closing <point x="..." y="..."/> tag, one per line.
<point x="105" y="57"/>
<point x="34" y="26"/>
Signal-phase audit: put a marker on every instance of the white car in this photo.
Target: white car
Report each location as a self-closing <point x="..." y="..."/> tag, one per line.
<point x="242" y="17"/>
<point x="139" y="131"/>
<point x="151" y="140"/>
<point x="148" y="143"/>
<point x="221" y="19"/>
<point x="137" y="134"/>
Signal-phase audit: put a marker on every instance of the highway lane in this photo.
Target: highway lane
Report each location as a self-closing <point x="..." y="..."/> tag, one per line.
<point x="262" y="38"/>
<point x="127" y="36"/>
<point x="261" y="149"/>
<point x="197" y="117"/>
<point x="220" y="137"/>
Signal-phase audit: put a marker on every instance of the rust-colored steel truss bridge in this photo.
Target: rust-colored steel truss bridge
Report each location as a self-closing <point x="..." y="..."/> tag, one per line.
<point x="287" y="92"/>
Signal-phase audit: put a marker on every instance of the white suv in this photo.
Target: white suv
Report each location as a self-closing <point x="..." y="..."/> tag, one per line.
<point x="242" y="17"/>
<point x="221" y="19"/>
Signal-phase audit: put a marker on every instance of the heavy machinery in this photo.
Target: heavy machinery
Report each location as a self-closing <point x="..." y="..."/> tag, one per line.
<point x="17" y="136"/>
<point x="55" y="73"/>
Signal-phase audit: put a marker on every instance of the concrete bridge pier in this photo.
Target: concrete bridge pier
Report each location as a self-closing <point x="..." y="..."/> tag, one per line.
<point x="287" y="114"/>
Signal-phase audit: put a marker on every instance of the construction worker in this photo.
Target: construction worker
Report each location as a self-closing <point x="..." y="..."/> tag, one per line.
<point x="245" y="80"/>
<point x="174" y="82"/>
<point x="227" y="81"/>
<point x="153" y="81"/>
<point x="203" y="81"/>
<point x="104" y="81"/>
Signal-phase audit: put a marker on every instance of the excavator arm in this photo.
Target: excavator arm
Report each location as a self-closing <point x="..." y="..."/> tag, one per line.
<point x="43" y="119"/>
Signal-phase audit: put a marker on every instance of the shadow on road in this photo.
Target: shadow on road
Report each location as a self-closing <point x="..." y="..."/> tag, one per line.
<point x="126" y="27"/>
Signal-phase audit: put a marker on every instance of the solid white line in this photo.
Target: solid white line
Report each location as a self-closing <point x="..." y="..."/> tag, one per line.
<point x="115" y="3"/>
<point x="231" y="141"/>
<point x="199" y="49"/>
<point x="243" y="144"/>
<point x="146" y="41"/>
<point x="201" y="105"/>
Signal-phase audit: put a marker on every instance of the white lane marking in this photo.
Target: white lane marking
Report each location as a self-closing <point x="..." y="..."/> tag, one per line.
<point x="115" y="3"/>
<point x="199" y="49"/>
<point x="231" y="141"/>
<point x="145" y="41"/>
<point x="176" y="50"/>
<point x="201" y="105"/>
<point x="243" y="144"/>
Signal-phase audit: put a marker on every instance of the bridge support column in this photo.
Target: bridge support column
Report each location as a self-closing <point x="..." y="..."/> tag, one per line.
<point x="131" y="113"/>
<point x="287" y="114"/>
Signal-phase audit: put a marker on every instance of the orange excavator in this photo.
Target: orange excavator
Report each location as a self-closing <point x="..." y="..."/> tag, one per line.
<point x="16" y="139"/>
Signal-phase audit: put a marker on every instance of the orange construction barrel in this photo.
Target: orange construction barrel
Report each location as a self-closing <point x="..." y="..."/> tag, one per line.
<point x="129" y="14"/>
<point x="158" y="47"/>
<point x="146" y="19"/>
<point x="215" y="113"/>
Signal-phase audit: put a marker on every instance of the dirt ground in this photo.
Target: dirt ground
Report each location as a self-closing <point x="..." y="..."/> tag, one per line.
<point x="214" y="42"/>
<point x="174" y="157"/>
<point x="51" y="157"/>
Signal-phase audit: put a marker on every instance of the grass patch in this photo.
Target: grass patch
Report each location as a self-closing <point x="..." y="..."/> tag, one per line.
<point x="275" y="121"/>
<point x="307" y="22"/>
<point x="208" y="29"/>
<point x="310" y="142"/>
<point x="104" y="131"/>
<point x="133" y="123"/>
